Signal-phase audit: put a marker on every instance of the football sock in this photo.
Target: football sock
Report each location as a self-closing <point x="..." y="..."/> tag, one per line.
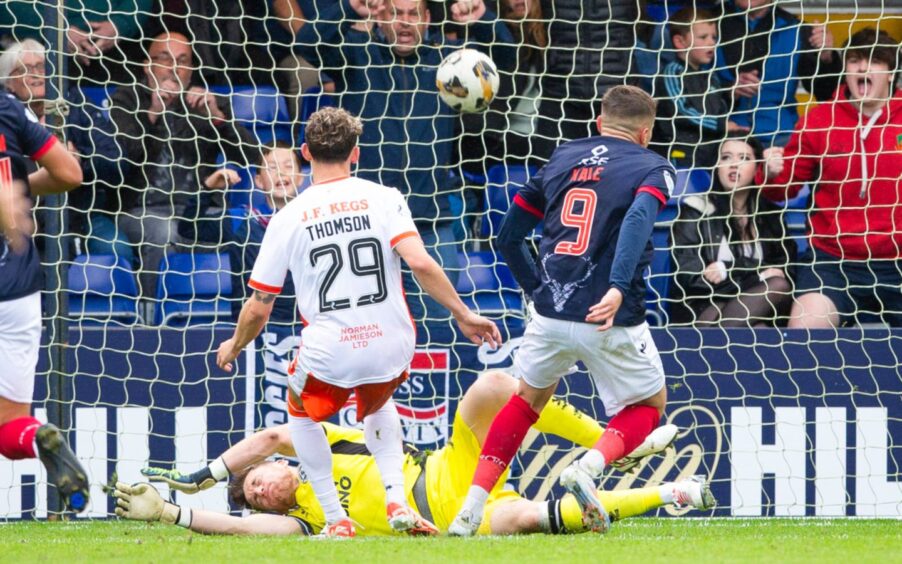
<point x="312" y="450"/>
<point x="619" y="504"/>
<point x="504" y="438"/>
<point x="624" y="433"/>
<point x="17" y="438"/>
<point x="665" y="490"/>
<point x="384" y="439"/>
<point x="562" y="419"/>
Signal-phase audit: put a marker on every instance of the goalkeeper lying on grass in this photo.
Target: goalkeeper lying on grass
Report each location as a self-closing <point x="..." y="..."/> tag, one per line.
<point x="437" y="482"/>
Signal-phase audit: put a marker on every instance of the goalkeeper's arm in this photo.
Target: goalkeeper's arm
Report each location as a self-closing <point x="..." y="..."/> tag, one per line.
<point x="142" y="502"/>
<point x="250" y="450"/>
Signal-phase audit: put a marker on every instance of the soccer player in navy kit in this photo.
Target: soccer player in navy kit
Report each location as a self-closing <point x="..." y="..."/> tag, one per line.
<point x="599" y="198"/>
<point x="21" y="435"/>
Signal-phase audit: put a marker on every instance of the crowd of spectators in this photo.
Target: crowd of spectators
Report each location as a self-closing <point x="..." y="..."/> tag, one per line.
<point x="158" y="170"/>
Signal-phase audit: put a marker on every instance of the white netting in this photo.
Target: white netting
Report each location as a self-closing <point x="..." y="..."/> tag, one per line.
<point x="157" y="246"/>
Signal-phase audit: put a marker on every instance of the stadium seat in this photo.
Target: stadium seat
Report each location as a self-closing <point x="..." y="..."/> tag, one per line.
<point x="487" y="285"/>
<point x="262" y="110"/>
<point x="102" y="288"/>
<point x="99" y="97"/>
<point x="194" y="288"/>
<point x="687" y="181"/>
<point x="659" y="278"/>
<point x="504" y="181"/>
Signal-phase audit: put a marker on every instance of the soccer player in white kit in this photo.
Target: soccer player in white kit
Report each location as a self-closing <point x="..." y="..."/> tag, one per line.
<point x="343" y="239"/>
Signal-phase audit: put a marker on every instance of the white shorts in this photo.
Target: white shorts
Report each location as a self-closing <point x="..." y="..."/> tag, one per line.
<point x="623" y="361"/>
<point x="20" y="339"/>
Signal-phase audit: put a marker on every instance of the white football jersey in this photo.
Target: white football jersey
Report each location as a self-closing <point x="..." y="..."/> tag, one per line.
<point x="337" y="238"/>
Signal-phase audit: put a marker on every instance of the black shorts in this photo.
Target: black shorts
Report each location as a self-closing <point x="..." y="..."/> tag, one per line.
<point x="870" y="287"/>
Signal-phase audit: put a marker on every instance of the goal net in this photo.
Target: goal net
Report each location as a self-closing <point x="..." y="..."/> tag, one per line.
<point x="187" y="118"/>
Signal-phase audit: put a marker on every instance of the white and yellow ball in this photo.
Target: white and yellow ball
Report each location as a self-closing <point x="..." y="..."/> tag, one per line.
<point x="467" y="80"/>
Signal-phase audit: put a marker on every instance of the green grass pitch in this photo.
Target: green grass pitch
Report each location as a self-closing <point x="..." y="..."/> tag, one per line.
<point x="638" y="540"/>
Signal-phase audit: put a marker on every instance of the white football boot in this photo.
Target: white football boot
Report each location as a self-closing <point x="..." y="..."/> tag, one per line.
<point x="694" y="492"/>
<point x="576" y="481"/>
<point x="655" y="442"/>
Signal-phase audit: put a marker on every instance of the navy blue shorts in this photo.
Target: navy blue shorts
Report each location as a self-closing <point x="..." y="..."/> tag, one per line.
<point x="870" y="287"/>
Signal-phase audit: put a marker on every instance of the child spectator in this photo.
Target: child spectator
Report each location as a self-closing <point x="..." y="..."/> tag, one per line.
<point x="731" y="250"/>
<point x="692" y="112"/>
<point x="850" y="149"/>
<point x="280" y="179"/>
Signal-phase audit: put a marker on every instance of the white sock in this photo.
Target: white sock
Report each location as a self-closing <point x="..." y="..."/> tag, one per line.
<point x="313" y="451"/>
<point x="593" y="463"/>
<point x="384" y="439"/>
<point x="665" y="490"/>
<point x="475" y="501"/>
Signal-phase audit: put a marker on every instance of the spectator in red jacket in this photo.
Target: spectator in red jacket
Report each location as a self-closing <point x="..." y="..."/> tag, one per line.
<point x="850" y="150"/>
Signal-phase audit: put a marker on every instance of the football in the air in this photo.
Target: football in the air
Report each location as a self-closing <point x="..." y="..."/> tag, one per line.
<point x="467" y="80"/>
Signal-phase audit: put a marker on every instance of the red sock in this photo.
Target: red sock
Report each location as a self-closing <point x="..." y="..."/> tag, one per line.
<point x="626" y="431"/>
<point x="505" y="437"/>
<point x="17" y="438"/>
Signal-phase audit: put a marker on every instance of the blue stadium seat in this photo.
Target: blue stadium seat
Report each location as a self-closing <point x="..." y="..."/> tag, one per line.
<point x="102" y="288"/>
<point x="264" y="111"/>
<point x="504" y="181"/>
<point x="659" y="279"/>
<point x="99" y="96"/>
<point x="487" y="285"/>
<point x="194" y="288"/>
<point x="687" y="181"/>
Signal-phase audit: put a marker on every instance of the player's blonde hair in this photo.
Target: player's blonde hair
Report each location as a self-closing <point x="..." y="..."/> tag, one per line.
<point x="332" y="134"/>
<point x="628" y="108"/>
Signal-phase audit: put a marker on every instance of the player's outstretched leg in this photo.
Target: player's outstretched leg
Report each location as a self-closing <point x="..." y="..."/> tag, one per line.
<point x="63" y="469"/>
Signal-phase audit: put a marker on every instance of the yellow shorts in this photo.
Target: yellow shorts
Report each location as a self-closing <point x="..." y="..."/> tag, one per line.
<point x="449" y="473"/>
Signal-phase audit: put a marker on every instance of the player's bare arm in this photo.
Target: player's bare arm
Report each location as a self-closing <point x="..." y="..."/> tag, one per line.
<point x="15" y="216"/>
<point x="433" y="279"/>
<point x="250" y="450"/>
<point x="142" y="502"/>
<point x="254" y="315"/>
<point x="59" y="172"/>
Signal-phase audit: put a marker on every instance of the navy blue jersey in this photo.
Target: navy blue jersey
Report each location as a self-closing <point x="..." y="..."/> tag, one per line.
<point x="583" y="194"/>
<point x="20" y="136"/>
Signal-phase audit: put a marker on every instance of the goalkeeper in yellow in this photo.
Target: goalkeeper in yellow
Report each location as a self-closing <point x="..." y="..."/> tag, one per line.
<point x="436" y="482"/>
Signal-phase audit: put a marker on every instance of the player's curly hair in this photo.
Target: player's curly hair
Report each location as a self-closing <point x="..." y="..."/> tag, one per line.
<point x="236" y="487"/>
<point x="331" y="134"/>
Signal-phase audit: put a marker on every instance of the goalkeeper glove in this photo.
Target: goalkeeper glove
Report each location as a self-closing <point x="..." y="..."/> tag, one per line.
<point x="142" y="502"/>
<point x="203" y="479"/>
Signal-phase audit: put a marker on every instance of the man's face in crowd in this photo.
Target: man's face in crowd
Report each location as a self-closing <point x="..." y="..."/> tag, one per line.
<point x="868" y="80"/>
<point x="169" y="60"/>
<point x="27" y="81"/>
<point x="404" y="23"/>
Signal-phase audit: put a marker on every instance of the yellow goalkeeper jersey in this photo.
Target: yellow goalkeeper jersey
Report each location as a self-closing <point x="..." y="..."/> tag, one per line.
<point x="359" y="484"/>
